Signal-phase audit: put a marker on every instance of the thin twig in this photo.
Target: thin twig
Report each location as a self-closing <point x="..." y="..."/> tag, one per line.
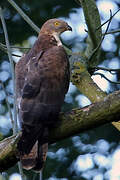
<point x="97" y="48"/>
<point x="12" y="68"/>
<point x="24" y="16"/>
<point x="18" y="47"/>
<point x="102" y="75"/>
<point x="14" y="47"/>
<point x="106" y="69"/>
<point x="13" y="78"/>
<point x="107" y="20"/>
<point x="21" y="171"/>
<point x="5" y="50"/>
<point x="40" y="175"/>
<point x="8" y="105"/>
<point x="112" y="32"/>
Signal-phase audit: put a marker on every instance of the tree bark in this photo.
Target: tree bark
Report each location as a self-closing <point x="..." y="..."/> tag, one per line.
<point x="72" y="123"/>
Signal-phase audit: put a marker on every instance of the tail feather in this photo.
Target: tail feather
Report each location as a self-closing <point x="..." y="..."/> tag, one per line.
<point x="35" y="160"/>
<point x="34" y="157"/>
<point x="41" y="158"/>
<point x="29" y="161"/>
<point x="42" y="151"/>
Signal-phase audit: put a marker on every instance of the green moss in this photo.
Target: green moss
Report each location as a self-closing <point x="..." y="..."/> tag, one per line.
<point x="1" y="136"/>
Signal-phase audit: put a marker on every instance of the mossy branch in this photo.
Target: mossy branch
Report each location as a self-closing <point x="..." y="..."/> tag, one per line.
<point x="83" y="81"/>
<point x="92" y="19"/>
<point x="72" y="123"/>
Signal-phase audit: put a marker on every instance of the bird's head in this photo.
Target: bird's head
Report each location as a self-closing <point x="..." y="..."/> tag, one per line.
<point x="55" y="26"/>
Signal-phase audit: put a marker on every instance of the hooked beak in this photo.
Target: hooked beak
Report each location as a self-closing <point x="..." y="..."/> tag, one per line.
<point x="69" y="28"/>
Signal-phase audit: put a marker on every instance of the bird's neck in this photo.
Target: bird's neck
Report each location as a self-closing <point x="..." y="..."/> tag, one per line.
<point x="54" y="34"/>
<point x="57" y="38"/>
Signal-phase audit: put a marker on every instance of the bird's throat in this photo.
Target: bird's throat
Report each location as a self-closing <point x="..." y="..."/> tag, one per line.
<point x="57" y="38"/>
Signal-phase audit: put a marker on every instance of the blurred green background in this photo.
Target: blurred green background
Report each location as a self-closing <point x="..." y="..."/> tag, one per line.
<point x="95" y="154"/>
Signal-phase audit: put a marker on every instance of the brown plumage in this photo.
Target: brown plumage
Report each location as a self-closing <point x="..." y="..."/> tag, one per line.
<point x="42" y="80"/>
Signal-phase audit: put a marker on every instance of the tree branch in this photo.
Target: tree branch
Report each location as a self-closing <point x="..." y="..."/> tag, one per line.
<point x="105" y="69"/>
<point x="7" y="103"/>
<point x="24" y="16"/>
<point x="12" y="67"/>
<point x="15" y="128"/>
<point x="103" y="76"/>
<point x="72" y="123"/>
<point x="92" y="19"/>
<point x="4" y="49"/>
<point x="99" y="44"/>
<point x="83" y="81"/>
<point x="14" y="47"/>
<point x="112" y="32"/>
<point x="99" y="27"/>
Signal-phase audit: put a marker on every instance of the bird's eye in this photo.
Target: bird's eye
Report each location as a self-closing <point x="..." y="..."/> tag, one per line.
<point x="56" y="23"/>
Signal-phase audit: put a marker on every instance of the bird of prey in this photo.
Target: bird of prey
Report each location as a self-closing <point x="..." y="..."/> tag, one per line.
<point x="42" y="80"/>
